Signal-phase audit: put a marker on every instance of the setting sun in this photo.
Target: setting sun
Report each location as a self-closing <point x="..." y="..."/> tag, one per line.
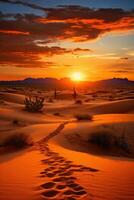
<point x="77" y="76"/>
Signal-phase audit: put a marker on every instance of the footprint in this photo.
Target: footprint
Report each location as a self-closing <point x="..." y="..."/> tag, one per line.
<point x="78" y="188"/>
<point x="65" y="174"/>
<point x="80" y="193"/>
<point x="48" y="185"/>
<point x="50" y="175"/>
<point x="61" y="187"/>
<point x="50" y="193"/>
<point x="59" y="179"/>
<point x="89" y="169"/>
<point x="70" y="198"/>
<point x="68" y="192"/>
<point x="72" y="185"/>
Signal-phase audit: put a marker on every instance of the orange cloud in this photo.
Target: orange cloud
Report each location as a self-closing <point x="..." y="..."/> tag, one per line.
<point x="74" y="23"/>
<point x="14" y="32"/>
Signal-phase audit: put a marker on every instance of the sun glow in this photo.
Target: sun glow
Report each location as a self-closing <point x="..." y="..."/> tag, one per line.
<point x="77" y="76"/>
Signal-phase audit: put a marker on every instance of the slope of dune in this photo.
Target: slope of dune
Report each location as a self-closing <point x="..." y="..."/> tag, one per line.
<point x="76" y="135"/>
<point x="62" y="164"/>
<point x="11" y="97"/>
<point x="120" y="106"/>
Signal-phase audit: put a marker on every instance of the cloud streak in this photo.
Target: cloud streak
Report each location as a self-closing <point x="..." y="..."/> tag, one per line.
<point x="34" y="6"/>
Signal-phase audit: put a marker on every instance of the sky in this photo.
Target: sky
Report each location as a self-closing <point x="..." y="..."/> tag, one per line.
<point x="58" y="38"/>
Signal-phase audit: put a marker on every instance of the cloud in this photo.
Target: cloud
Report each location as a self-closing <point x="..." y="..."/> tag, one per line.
<point x="75" y="23"/>
<point x="22" y="51"/>
<point x="34" y="6"/>
<point x="124" y="58"/>
<point x="28" y="34"/>
<point x="14" y="32"/>
<point x="122" y="67"/>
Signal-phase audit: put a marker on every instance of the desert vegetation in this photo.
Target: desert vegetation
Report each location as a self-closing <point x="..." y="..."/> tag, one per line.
<point x="78" y="101"/>
<point x="17" y="141"/>
<point x="34" y="104"/>
<point x="107" y="140"/>
<point x="74" y="93"/>
<point x="80" y="117"/>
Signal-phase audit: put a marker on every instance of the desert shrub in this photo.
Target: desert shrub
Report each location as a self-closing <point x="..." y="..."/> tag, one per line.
<point x="78" y="101"/>
<point x="107" y="140"/>
<point x="74" y="93"/>
<point x="33" y="104"/>
<point x="57" y="114"/>
<point x="122" y="143"/>
<point x="83" y="117"/>
<point x="17" y="141"/>
<point x="15" y="121"/>
<point x="102" y="138"/>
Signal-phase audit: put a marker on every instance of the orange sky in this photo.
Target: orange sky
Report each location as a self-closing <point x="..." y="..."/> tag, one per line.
<point x="63" y="40"/>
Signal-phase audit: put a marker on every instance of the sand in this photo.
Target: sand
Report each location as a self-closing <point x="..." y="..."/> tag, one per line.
<point x="62" y="164"/>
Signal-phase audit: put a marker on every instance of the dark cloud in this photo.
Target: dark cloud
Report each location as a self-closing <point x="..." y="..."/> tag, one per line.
<point x="124" y="58"/>
<point x="34" y="6"/>
<point x="79" y="12"/>
<point x="29" y="34"/>
<point x="70" y="22"/>
<point x="22" y="51"/>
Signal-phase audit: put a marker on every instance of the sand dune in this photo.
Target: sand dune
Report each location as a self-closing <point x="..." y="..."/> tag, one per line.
<point x="62" y="164"/>
<point x="75" y="136"/>
<point x="120" y="106"/>
<point x="11" y="97"/>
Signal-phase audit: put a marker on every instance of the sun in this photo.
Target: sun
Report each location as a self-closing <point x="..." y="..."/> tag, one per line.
<point x="77" y="76"/>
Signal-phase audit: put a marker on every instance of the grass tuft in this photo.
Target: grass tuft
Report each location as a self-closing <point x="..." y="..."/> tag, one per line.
<point x="17" y="141"/>
<point x="106" y="140"/>
<point x="78" y="101"/>
<point x="102" y="138"/>
<point x="80" y="117"/>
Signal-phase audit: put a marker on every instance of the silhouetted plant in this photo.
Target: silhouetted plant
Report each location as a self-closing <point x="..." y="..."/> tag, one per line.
<point x="16" y="121"/>
<point x="74" y="93"/>
<point x="17" y="141"/>
<point x="33" y="104"/>
<point x="55" y="93"/>
<point x="78" y="101"/>
<point x="122" y="143"/>
<point x="83" y="117"/>
<point x="106" y="140"/>
<point x="57" y="114"/>
<point x="102" y="138"/>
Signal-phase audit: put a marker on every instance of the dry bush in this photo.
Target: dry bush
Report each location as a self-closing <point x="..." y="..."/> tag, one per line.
<point x="15" y="122"/>
<point x="17" y="141"/>
<point x="102" y="138"/>
<point x="107" y="140"/>
<point x="78" y="101"/>
<point x="34" y="104"/>
<point x="80" y="117"/>
<point x="57" y="114"/>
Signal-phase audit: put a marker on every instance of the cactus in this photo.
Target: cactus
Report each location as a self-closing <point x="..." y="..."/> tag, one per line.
<point x="74" y="93"/>
<point x="55" y="93"/>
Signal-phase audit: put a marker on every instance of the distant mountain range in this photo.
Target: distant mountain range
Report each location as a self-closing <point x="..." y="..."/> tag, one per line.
<point x="66" y="83"/>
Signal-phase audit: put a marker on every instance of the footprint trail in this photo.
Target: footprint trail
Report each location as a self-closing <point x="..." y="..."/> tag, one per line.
<point x="60" y="182"/>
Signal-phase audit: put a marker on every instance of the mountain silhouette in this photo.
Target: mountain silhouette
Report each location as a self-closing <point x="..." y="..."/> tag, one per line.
<point x="66" y="83"/>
